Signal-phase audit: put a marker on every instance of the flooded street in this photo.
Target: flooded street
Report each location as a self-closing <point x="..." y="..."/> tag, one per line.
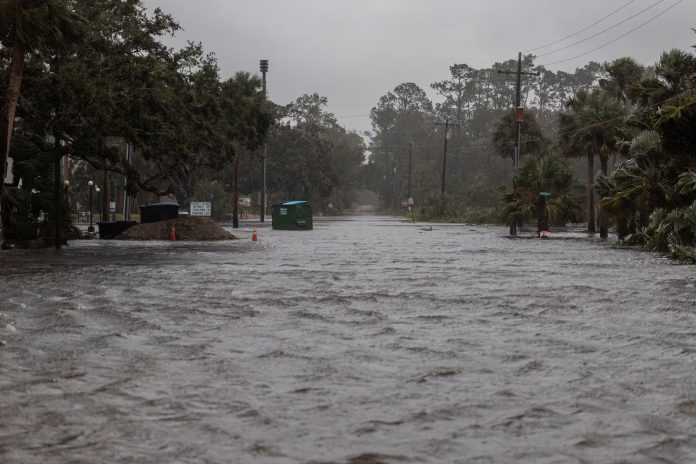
<point x="365" y="341"/>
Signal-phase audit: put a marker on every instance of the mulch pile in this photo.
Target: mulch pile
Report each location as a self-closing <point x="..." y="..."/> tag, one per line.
<point x="196" y="229"/>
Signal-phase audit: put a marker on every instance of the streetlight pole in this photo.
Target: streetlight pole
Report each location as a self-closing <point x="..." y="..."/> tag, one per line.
<point x="91" y="187"/>
<point x="264" y="70"/>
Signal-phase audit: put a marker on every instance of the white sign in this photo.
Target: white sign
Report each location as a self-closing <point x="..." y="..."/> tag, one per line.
<point x="112" y="206"/>
<point x="245" y="202"/>
<point x="200" y="208"/>
<point x="9" y="178"/>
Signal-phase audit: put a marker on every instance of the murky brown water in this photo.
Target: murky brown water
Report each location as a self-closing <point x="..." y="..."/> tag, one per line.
<point x="364" y="341"/>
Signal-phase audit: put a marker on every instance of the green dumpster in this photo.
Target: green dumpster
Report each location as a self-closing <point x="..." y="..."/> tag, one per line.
<point x="292" y="215"/>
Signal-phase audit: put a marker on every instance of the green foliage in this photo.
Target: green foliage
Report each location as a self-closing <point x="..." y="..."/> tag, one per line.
<point x="30" y="210"/>
<point x="673" y="232"/>
<point x="312" y="157"/>
<point x="545" y="173"/>
<point x="119" y="83"/>
<point x="652" y="194"/>
<point x="454" y="211"/>
<point x="532" y="137"/>
<point x="122" y="82"/>
<point x="213" y="192"/>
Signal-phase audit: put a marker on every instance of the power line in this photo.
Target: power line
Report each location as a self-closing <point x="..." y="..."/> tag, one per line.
<point x="604" y="30"/>
<point x="617" y="38"/>
<point x="581" y="30"/>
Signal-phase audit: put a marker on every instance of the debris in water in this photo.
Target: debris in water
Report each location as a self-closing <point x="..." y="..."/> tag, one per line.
<point x="439" y="372"/>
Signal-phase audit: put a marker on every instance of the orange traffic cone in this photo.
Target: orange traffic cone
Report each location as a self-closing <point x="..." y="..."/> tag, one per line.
<point x="172" y="234"/>
<point x="254" y="238"/>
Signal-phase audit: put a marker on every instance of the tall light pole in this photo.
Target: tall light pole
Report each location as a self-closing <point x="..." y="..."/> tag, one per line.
<point x="262" y="209"/>
<point x="91" y="187"/>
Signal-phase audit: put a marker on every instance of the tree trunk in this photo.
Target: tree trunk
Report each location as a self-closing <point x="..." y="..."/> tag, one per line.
<point x="603" y="220"/>
<point x="8" y="114"/>
<point x="590" y="195"/>
<point x="621" y="226"/>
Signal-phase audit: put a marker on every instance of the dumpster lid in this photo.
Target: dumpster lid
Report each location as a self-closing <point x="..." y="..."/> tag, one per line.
<point x="294" y="202"/>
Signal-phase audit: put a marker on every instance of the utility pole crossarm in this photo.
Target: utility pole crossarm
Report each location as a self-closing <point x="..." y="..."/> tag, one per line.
<point x="524" y="73"/>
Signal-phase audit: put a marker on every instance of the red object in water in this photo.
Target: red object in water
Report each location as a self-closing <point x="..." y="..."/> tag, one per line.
<point x="254" y="238"/>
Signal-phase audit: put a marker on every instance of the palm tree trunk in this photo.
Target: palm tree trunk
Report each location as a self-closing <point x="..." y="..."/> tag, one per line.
<point x="590" y="195"/>
<point x="8" y="113"/>
<point x="603" y="226"/>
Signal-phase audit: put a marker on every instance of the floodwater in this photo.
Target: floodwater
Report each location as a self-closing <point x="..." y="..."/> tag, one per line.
<point x="365" y="341"/>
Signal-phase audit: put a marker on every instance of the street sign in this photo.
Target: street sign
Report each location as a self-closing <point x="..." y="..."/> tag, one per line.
<point x="545" y="194"/>
<point x="410" y="201"/>
<point x="112" y="206"/>
<point x="245" y="202"/>
<point x="200" y="208"/>
<point x="404" y="203"/>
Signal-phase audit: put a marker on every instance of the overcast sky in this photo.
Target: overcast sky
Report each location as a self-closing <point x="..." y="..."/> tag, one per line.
<point x="354" y="51"/>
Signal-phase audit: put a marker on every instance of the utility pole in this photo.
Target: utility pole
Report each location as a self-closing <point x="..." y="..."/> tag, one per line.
<point x="410" y="193"/>
<point x="518" y="119"/>
<point x="389" y="178"/>
<point x="264" y="70"/>
<point x="444" y="163"/>
<point x="387" y="175"/>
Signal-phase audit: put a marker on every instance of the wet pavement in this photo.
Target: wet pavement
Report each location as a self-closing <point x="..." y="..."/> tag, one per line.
<point x="365" y="341"/>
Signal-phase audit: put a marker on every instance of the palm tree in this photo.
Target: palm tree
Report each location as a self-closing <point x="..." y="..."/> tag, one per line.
<point x="505" y="135"/>
<point x="242" y="101"/>
<point x="638" y="185"/>
<point x="592" y="128"/>
<point x="29" y="26"/>
<point x="624" y="74"/>
<point x="652" y="194"/>
<point x="537" y="174"/>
